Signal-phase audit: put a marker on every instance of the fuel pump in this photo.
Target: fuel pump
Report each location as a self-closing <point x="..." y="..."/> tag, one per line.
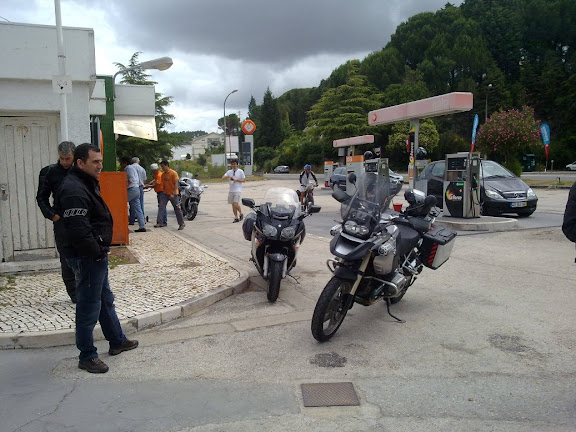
<point x="328" y="171"/>
<point x="462" y="185"/>
<point x="354" y="164"/>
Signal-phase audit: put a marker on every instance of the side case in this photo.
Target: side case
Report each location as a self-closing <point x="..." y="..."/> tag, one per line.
<point x="437" y="246"/>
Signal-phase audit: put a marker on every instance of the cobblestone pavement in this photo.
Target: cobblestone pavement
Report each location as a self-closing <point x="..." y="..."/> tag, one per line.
<point x="170" y="271"/>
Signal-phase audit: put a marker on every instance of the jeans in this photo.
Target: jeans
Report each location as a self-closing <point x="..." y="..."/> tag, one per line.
<point x="132" y="214"/>
<point x="164" y="221"/>
<point x="175" y="200"/>
<point x="94" y="302"/>
<point x="134" y="200"/>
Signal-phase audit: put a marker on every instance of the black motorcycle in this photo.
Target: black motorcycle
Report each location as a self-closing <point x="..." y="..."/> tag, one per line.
<point x="276" y="230"/>
<point x="378" y="253"/>
<point x="190" y="189"/>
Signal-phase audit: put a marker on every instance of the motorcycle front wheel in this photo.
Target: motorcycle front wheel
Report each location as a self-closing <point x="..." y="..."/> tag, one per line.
<point x="191" y="210"/>
<point x="331" y="309"/>
<point x="274" y="278"/>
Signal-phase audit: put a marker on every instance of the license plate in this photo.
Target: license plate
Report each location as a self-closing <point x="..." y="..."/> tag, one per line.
<point x="518" y="204"/>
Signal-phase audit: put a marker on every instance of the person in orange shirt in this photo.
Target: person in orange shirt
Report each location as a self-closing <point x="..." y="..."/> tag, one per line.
<point x="156" y="183"/>
<point x="169" y="193"/>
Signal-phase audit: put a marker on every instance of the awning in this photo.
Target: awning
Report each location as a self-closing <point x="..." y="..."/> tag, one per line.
<point x="136" y="126"/>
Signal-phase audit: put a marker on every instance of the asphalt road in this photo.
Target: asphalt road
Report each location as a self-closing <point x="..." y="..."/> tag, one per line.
<point x="488" y="345"/>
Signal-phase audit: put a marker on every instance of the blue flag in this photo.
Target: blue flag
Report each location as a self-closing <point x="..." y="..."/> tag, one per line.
<point x="545" y="131"/>
<point x="474" y="127"/>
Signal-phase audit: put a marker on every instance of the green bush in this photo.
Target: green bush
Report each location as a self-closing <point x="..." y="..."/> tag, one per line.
<point x="515" y="166"/>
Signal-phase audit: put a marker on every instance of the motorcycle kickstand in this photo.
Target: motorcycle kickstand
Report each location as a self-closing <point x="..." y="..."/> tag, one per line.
<point x="401" y="321"/>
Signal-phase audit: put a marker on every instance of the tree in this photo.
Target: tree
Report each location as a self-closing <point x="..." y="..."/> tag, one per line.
<point x="507" y="134"/>
<point x="428" y="138"/>
<point x="268" y="130"/>
<point x="342" y="112"/>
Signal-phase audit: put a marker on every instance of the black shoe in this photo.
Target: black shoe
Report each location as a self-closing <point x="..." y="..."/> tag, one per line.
<point x="94" y="365"/>
<point x="241" y="216"/>
<point x="236" y="220"/>
<point x="127" y="345"/>
<point x="141" y="230"/>
<point x="181" y="227"/>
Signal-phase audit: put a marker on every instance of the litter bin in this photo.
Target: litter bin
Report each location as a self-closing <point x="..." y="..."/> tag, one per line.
<point x="528" y="162"/>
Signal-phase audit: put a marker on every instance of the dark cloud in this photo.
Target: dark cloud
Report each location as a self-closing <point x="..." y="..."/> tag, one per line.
<point x="261" y="31"/>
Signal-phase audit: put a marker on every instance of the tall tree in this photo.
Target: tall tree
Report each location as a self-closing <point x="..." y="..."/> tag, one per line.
<point x="342" y="112"/>
<point x="269" y="130"/>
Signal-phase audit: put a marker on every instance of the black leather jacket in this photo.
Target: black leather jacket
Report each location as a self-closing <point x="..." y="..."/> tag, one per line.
<point x="87" y="221"/>
<point x="49" y="179"/>
<point x="569" y="223"/>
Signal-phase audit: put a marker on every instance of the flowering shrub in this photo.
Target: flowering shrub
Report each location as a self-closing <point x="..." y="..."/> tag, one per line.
<point x="509" y="133"/>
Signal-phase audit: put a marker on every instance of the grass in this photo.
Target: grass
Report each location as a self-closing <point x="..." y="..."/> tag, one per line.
<point x="10" y="283"/>
<point x="120" y="255"/>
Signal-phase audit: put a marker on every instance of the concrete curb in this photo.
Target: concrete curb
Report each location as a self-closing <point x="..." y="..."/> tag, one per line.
<point x="483" y="223"/>
<point x="54" y="338"/>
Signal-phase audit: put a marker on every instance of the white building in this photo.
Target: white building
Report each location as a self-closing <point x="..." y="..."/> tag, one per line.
<point x="30" y="126"/>
<point x="198" y="146"/>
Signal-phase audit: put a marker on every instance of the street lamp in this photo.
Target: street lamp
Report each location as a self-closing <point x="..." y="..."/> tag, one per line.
<point x="160" y="64"/>
<point x="486" y="111"/>
<point x="224" y="121"/>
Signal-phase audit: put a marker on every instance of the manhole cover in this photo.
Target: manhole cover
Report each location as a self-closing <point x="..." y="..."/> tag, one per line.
<point x="329" y="394"/>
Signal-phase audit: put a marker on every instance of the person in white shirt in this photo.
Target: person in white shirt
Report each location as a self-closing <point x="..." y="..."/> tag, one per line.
<point x="235" y="177"/>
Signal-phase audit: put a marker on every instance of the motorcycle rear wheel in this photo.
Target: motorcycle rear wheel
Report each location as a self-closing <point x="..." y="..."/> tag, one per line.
<point x="274" y="278"/>
<point x="331" y="309"/>
<point x="191" y="210"/>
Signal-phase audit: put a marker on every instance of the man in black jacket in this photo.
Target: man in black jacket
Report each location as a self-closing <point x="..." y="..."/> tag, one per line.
<point x="86" y="240"/>
<point x="569" y="223"/>
<point x="48" y="182"/>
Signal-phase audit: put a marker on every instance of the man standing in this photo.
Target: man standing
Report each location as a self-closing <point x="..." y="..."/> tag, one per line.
<point x="156" y="183"/>
<point x="50" y="178"/>
<point x="133" y="192"/>
<point x="87" y="235"/>
<point x="141" y="182"/>
<point x="170" y="193"/>
<point x="236" y="177"/>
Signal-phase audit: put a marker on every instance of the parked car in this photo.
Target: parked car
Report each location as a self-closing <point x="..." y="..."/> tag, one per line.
<point x="500" y="190"/>
<point x="282" y="169"/>
<point x="571" y="166"/>
<point x="338" y="179"/>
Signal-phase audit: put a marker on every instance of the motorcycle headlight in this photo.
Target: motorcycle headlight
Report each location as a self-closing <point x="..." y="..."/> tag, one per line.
<point x="351" y="227"/>
<point x="530" y="193"/>
<point x="287" y="233"/>
<point x="335" y="229"/>
<point x="269" y="230"/>
<point x="491" y="194"/>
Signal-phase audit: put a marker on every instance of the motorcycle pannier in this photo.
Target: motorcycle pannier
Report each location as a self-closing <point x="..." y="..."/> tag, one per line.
<point x="248" y="225"/>
<point x="437" y="246"/>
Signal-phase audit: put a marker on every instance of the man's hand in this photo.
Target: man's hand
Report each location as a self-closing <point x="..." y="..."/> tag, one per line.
<point x="55" y="218"/>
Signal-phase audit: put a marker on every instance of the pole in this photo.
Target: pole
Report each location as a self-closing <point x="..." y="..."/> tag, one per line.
<point x="224" y="121"/>
<point x="486" y="109"/>
<point x="61" y="71"/>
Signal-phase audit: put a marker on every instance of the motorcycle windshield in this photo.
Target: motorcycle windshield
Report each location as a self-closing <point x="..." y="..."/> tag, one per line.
<point x="370" y="197"/>
<point x="281" y="203"/>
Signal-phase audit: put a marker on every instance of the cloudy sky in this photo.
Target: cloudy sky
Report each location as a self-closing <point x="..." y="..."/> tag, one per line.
<point x="221" y="45"/>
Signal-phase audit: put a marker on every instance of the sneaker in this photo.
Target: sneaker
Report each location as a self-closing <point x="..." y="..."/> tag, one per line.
<point x="159" y="225"/>
<point x="241" y="216"/>
<point x="140" y="230"/>
<point x="127" y="345"/>
<point x="94" y="365"/>
<point x="236" y="220"/>
<point x="181" y="227"/>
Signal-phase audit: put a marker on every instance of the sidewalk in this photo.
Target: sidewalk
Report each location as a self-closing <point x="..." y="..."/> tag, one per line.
<point x="174" y="278"/>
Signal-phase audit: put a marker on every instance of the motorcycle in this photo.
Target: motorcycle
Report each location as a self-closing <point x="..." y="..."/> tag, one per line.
<point x="378" y="253"/>
<point x="190" y="189"/>
<point x="276" y="230"/>
<point x="308" y="196"/>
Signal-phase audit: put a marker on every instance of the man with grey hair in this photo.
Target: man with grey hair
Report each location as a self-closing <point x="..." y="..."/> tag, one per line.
<point x="49" y="180"/>
<point x="141" y="183"/>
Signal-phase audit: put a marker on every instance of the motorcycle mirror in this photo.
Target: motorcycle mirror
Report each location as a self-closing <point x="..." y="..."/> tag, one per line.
<point x="314" y="209"/>
<point x="339" y="195"/>
<point x="352" y="178"/>
<point x="248" y="202"/>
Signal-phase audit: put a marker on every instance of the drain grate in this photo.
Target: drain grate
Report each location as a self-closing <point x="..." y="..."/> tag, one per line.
<point x="329" y="394"/>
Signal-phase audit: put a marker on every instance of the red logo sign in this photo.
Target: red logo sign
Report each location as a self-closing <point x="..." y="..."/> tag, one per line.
<point x="248" y="127"/>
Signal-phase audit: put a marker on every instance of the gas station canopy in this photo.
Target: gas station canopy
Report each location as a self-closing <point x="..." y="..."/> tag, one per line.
<point x="449" y="103"/>
<point x="345" y="142"/>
